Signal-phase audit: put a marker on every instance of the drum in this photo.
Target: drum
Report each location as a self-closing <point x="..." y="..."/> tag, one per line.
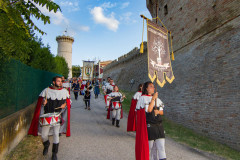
<point x="50" y="119"/>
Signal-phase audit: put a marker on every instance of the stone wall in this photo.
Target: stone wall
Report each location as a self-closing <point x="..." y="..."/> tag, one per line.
<point x="205" y="95"/>
<point x="127" y="67"/>
<point x="13" y="128"/>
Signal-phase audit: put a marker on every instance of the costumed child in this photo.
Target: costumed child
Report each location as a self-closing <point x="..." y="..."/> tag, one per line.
<point x="116" y="99"/>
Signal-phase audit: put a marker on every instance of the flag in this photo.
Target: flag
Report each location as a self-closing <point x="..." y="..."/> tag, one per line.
<point x="159" y="62"/>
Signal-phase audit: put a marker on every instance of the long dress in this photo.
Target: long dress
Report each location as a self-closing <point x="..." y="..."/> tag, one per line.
<point x="96" y="88"/>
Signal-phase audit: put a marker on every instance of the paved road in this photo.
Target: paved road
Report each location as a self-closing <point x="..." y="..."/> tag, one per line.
<point x="94" y="138"/>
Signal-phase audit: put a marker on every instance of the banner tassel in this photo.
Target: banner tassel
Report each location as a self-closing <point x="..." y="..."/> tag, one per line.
<point x="142" y="47"/>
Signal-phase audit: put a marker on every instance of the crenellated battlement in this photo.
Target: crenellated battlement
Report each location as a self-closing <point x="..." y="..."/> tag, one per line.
<point x="126" y="57"/>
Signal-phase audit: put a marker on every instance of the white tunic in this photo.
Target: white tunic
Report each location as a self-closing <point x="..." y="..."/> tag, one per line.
<point x="54" y="94"/>
<point x="116" y="104"/>
<point x="144" y="102"/>
<point x="110" y="87"/>
<point x="66" y="85"/>
<point x="137" y="95"/>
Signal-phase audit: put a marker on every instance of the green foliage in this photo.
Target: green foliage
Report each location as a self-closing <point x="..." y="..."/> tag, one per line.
<point x="189" y="137"/>
<point x="76" y="70"/>
<point x="40" y="56"/>
<point x="61" y="66"/>
<point x="16" y="25"/>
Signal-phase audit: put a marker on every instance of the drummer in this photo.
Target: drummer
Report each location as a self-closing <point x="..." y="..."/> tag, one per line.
<point x="52" y="100"/>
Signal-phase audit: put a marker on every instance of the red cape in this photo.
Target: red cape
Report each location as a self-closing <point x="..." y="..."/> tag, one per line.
<point x="105" y="98"/>
<point x="33" y="130"/>
<point x="141" y="145"/>
<point x="131" y="124"/>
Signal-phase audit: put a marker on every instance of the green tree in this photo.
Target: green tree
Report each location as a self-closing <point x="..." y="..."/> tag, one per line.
<point x="41" y="57"/>
<point x="61" y="66"/>
<point x="76" y="70"/>
<point x="16" y="24"/>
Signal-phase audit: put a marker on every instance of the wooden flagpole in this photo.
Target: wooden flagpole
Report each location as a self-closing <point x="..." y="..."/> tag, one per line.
<point x="156" y="71"/>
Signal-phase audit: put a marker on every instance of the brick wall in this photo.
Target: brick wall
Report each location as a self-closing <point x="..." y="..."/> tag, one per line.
<point x="205" y="95"/>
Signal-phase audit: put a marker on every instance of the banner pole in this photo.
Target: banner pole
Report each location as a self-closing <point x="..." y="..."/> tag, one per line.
<point x="156" y="89"/>
<point x="156" y="71"/>
<point x="156" y="12"/>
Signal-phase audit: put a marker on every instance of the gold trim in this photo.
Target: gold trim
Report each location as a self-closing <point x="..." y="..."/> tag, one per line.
<point x="159" y="29"/>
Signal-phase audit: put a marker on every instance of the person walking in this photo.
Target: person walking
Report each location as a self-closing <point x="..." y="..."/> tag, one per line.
<point x="96" y="89"/>
<point x="46" y="121"/>
<point x="149" y="129"/>
<point x="87" y="95"/>
<point x="76" y="88"/>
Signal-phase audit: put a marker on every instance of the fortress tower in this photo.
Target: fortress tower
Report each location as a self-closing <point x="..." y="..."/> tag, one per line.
<point x="65" y="50"/>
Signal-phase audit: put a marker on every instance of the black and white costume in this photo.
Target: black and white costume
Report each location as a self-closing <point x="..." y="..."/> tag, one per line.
<point x="87" y="96"/>
<point x="108" y="90"/>
<point x="154" y="125"/>
<point x="55" y="99"/>
<point x="116" y="106"/>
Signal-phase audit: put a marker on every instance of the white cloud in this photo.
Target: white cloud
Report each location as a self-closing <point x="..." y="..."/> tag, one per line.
<point x="107" y="5"/>
<point x="60" y="20"/>
<point x="127" y="18"/>
<point x="110" y="22"/>
<point x="125" y="5"/>
<point x="83" y="28"/>
<point x="70" y="6"/>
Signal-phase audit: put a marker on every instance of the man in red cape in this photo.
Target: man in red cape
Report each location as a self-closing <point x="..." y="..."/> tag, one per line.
<point x="52" y="100"/>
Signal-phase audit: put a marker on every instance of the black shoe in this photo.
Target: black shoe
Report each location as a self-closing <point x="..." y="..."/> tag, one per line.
<point x="55" y="151"/>
<point x="85" y="107"/>
<point x="117" y="123"/>
<point x="46" y="144"/>
<point x="113" y="121"/>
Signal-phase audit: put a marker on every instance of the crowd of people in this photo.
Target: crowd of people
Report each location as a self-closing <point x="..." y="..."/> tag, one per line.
<point x="52" y="114"/>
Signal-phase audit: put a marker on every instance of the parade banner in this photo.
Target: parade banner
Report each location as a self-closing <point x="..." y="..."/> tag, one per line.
<point x="88" y="69"/>
<point x="159" y="62"/>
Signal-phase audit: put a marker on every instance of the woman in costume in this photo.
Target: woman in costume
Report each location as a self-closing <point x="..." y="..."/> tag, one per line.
<point x="96" y="89"/>
<point x="131" y="125"/>
<point x="149" y="124"/>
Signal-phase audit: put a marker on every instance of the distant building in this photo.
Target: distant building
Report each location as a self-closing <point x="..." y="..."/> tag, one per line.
<point x="65" y="50"/>
<point x="98" y="69"/>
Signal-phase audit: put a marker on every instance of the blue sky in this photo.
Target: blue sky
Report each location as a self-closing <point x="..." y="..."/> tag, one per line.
<point x="102" y="29"/>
